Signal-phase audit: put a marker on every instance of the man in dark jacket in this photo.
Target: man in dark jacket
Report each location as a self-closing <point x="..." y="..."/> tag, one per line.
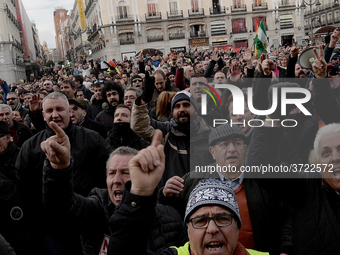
<point x="97" y="101"/>
<point x="91" y="214"/>
<point x="311" y="190"/>
<point x="78" y="80"/>
<point x="112" y="94"/>
<point x="266" y="221"/>
<point x="79" y="117"/>
<point x="212" y="214"/>
<point x="13" y="218"/>
<point x="21" y="132"/>
<point x="185" y="136"/>
<point x="91" y="152"/>
<point x="121" y="134"/>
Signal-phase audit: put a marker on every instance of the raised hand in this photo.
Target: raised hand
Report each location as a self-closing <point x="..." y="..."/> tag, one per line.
<point x="235" y="72"/>
<point x="173" y="186"/>
<point x="147" y="167"/>
<point x="294" y="51"/>
<point x="247" y="56"/>
<point x="179" y="63"/>
<point x="35" y="103"/>
<point x="141" y="57"/>
<point x="266" y="64"/>
<point x="57" y="148"/>
<point x="319" y="65"/>
<point x="334" y="38"/>
<point x="148" y="88"/>
<point x="215" y="56"/>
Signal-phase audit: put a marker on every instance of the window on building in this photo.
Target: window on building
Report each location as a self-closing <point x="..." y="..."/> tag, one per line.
<point x="122" y="10"/>
<point x="152" y="9"/>
<point x="154" y="34"/>
<point x="329" y="17"/>
<point x="257" y="2"/>
<point x="176" y="32"/>
<point x="194" y="5"/>
<point x="218" y="27"/>
<point x="257" y="21"/>
<point x="239" y="25"/>
<point x="62" y="15"/>
<point x="237" y="3"/>
<point x="336" y="16"/>
<point x="323" y="19"/>
<point x="173" y="7"/>
<point x="286" y="21"/>
<point x="197" y="30"/>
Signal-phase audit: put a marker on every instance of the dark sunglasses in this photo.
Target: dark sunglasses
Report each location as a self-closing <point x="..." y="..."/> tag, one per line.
<point x="9" y="99"/>
<point x="135" y="80"/>
<point x="74" y="108"/>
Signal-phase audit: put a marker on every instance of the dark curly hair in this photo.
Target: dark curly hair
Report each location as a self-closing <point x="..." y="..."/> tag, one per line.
<point x="110" y="85"/>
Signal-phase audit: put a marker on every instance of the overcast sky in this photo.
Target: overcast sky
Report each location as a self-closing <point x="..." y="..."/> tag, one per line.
<point x="41" y="12"/>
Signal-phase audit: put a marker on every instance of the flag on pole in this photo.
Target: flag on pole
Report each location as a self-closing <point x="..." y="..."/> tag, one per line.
<point x="261" y="41"/>
<point x="257" y="28"/>
<point x="115" y="67"/>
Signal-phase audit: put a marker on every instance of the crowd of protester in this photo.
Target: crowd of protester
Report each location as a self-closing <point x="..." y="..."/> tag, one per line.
<point x="104" y="161"/>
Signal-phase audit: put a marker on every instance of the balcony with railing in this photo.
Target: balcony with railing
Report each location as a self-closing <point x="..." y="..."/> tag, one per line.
<point x="121" y="18"/>
<point x="239" y="8"/>
<point x="175" y="14"/>
<point x="127" y="40"/>
<point x="174" y="36"/>
<point x="240" y="30"/>
<point x="155" y="38"/>
<point x="196" y="12"/>
<point x="259" y="7"/>
<point x="196" y="34"/>
<point x="320" y="8"/>
<point x="153" y="16"/>
<point x="286" y="5"/>
<point x="217" y="11"/>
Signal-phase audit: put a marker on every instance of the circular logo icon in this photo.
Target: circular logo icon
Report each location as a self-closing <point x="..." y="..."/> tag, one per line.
<point x="16" y="213"/>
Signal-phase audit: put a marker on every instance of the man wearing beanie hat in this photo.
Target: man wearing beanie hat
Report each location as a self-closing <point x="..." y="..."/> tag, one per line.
<point x="185" y="135"/>
<point x="212" y="216"/>
<point x="228" y="149"/>
<point x="137" y="81"/>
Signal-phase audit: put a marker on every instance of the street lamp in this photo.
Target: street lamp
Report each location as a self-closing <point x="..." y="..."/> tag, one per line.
<point x="303" y="4"/>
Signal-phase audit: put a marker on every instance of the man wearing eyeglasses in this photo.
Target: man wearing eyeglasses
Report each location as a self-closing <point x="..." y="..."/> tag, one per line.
<point x="13" y="101"/>
<point x="212" y="215"/>
<point x="131" y="95"/>
<point x="227" y="146"/>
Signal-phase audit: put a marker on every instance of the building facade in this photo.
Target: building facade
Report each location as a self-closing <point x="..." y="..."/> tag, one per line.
<point x="121" y="28"/>
<point x="321" y="18"/>
<point x="60" y="16"/>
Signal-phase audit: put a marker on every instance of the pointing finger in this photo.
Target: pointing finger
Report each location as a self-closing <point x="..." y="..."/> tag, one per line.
<point x="157" y="138"/>
<point x="59" y="132"/>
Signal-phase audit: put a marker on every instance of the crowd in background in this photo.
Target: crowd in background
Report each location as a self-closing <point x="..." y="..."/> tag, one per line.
<point x="109" y="111"/>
